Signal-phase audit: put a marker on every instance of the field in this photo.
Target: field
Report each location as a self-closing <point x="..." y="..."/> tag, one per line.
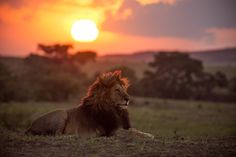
<point x="181" y="128"/>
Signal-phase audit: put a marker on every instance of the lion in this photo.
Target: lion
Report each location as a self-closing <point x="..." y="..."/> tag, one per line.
<point x="101" y="112"/>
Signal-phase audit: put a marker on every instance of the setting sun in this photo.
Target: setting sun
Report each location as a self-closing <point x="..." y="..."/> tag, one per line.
<point x="84" y="30"/>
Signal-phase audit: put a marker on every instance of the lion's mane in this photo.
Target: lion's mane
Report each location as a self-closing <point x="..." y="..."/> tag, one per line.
<point x="98" y="106"/>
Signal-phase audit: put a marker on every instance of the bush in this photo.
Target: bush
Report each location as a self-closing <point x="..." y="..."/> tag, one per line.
<point x="43" y="79"/>
<point x="176" y="75"/>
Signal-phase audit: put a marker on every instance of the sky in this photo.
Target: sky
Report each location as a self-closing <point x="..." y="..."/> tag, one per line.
<point x="126" y="26"/>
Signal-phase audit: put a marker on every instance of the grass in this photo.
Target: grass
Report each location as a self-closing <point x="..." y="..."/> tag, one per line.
<point x="119" y="145"/>
<point x="159" y="117"/>
<point x="181" y="128"/>
<point x="185" y="118"/>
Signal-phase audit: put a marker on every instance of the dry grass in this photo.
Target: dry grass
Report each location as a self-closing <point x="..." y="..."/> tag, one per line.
<point x="181" y="128"/>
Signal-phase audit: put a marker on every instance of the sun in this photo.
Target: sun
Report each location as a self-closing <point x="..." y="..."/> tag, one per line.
<point x="84" y="30"/>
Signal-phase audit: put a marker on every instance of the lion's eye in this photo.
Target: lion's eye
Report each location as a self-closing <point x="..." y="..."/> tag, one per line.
<point x="117" y="90"/>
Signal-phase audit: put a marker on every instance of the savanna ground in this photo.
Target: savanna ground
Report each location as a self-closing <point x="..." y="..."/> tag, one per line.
<point x="181" y="128"/>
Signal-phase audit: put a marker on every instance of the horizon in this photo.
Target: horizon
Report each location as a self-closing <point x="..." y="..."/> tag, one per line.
<point x="133" y="53"/>
<point x="124" y="26"/>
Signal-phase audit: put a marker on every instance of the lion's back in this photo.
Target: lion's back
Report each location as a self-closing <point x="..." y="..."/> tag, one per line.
<point x="49" y="124"/>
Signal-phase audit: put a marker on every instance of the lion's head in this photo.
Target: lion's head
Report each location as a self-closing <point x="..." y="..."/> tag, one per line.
<point x="109" y="89"/>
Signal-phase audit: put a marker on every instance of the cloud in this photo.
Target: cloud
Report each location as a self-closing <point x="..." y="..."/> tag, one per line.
<point x="12" y="3"/>
<point x="132" y="25"/>
<point x="187" y="18"/>
<point x="25" y="23"/>
<point x="223" y="37"/>
<point x="96" y="10"/>
<point x="147" y="2"/>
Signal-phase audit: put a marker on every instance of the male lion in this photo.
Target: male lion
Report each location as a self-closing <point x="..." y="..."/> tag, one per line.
<point x="102" y="111"/>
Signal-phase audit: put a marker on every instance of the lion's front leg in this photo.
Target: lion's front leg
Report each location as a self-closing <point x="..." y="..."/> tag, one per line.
<point x="140" y="133"/>
<point x="127" y="126"/>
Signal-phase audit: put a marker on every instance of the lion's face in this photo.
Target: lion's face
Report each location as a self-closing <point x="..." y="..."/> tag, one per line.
<point x="119" y="95"/>
<point x="109" y="89"/>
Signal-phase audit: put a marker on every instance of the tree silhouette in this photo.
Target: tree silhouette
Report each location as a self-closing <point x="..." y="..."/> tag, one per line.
<point x="84" y="56"/>
<point x="232" y="85"/>
<point x="55" y="51"/>
<point x="61" y="52"/>
<point x="6" y="86"/>
<point x="127" y="72"/>
<point x="50" y="80"/>
<point x="176" y="75"/>
<point x="221" y="79"/>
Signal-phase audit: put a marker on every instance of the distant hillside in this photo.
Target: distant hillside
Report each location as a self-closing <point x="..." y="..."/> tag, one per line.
<point x="217" y="57"/>
<point x="210" y="57"/>
<point x="134" y="57"/>
<point x="215" y="60"/>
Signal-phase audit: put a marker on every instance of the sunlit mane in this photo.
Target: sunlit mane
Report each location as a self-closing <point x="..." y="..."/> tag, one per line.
<point x="97" y="92"/>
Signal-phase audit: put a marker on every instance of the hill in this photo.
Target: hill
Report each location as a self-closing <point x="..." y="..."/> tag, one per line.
<point x="209" y="57"/>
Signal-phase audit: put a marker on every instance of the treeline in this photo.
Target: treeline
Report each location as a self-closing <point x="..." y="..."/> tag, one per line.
<point x="55" y="75"/>
<point x="176" y="75"/>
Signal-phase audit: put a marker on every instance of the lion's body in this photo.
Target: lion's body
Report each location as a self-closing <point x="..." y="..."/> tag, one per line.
<point x="81" y="120"/>
<point x="102" y="111"/>
<point x="49" y="124"/>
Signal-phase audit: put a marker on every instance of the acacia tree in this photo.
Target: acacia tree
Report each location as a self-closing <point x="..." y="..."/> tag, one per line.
<point x="61" y="52"/>
<point x="55" y="51"/>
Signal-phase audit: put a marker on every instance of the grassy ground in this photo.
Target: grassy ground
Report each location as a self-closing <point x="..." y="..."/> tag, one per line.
<point x="181" y="128"/>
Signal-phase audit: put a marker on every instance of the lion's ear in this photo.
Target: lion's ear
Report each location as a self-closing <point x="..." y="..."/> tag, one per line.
<point x="117" y="74"/>
<point x="99" y="78"/>
<point x="102" y="81"/>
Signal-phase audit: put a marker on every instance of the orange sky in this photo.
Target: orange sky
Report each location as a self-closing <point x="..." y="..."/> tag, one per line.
<point x="25" y="23"/>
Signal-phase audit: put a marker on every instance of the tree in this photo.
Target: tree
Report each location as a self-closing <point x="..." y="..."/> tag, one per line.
<point x="50" y="81"/>
<point x="84" y="56"/>
<point x="175" y="75"/>
<point x="127" y="72"/>
<point x="232" y="85"/>
<point x="61" y="52"/>
<point x="6" y="84"/>
<point x="57" y="51"/>
<point x="4" y="75"/>
<point x="221" y="79"/>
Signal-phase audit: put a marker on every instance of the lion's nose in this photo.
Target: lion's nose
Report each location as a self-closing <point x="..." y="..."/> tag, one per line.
<point x="126" y="99"/>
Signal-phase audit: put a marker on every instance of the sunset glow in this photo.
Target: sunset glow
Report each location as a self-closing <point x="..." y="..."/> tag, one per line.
<point x="84" y="30"/>
<point x="109" y="26"/>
